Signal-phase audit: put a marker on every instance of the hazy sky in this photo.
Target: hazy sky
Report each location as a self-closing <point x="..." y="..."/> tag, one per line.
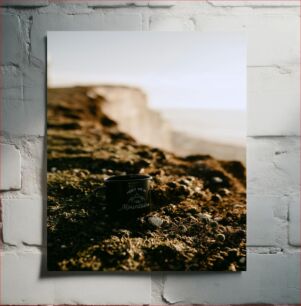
<point x="176" y="69"/>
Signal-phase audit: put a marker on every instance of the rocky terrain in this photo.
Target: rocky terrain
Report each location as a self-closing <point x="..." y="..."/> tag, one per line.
<point x="198" y="217"/>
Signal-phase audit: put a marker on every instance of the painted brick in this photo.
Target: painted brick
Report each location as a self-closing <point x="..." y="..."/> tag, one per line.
<point x="122" y="22"/>
<point x="294" y="220"/>
<point x="273" y="93"/>
<point x="161" y="3"/>
<point x="34" y="102"/>
<point x="89" y="22"/>
<point x="268" y="215"/>
<point x="11" y="84"/>
<point x="157" y="287"/>
<point x="110" y="3"/>
<point x="250" y="3"/>
<point x="260" y="219"/>
<point x="33" y="167"/>
<point x="74" y="7"/>
<point x="170" y="23"/>
<point x="114" y="3"/>
<point x="141" y="3"/>
<point x="12" y="99"/>
<point x="273" y="165"/>
<point x="269" y="279"/>
<point x="22" y="221"/>
<point x="117" y="3"/>
<point x="10" y="160"/>
<point x="12" y="47"/>
<point x="24" y="3"/>
<point x="23" y="99"/>
<point x="268" y="34"/>
<point x="23" y="283"/>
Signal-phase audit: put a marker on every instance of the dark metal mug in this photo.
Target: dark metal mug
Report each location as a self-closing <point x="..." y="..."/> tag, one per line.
<point x="128" y="195"/>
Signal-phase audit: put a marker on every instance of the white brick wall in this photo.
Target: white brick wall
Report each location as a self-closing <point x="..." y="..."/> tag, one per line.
<point x="269" y="32"/>
<point x="24" y="3"/>
<point x="250" y="3"/>
<point x="23" y="222"/>
<point x="25" y="284"/>
<point x="294" y="220"/>
<point x="10" y="171"/>
<point x="13" y="47"/>
<point x="275" y="91"/>
<point x="273" y="33"/>
<point x="269" y="279"/>
<point x="170" y="23"/>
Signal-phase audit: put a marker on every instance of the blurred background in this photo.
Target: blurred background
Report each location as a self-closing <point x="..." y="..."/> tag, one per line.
<point x="184" y="92"/>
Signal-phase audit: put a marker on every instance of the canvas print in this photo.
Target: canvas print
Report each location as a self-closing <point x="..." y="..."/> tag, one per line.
<point x="146" y="165"/>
